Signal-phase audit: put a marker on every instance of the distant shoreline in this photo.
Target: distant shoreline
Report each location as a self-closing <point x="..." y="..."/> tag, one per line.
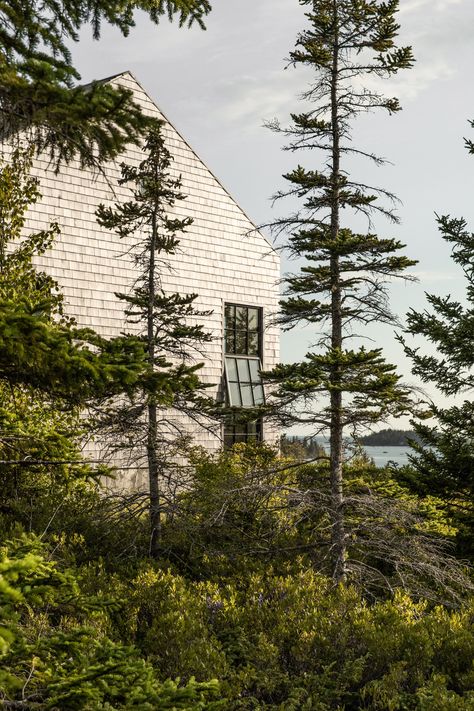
<point x="389" y="438"/>
<point x="384" y="438"/>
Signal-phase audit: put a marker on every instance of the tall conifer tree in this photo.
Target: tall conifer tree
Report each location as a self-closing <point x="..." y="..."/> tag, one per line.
<point x="167" y="321"/>
<point x="444" y="455"/>
<point x="340" y="288"/>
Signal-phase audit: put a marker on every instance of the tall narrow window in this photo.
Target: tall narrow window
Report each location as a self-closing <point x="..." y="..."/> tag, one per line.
<point x="243" y="346"/>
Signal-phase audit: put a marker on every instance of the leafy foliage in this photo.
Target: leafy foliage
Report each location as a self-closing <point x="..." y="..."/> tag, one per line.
<point x="296" y="641"/>
<point x="39" y="347"/>
<point x="244" y="609"/>
<point x="249" y="510"/>
<point x="54" y="651"/>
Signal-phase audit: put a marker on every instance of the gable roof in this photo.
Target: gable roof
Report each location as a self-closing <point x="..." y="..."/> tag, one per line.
<point x="127" y="74"/>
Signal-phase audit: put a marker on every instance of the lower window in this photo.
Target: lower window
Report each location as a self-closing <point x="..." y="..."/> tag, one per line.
<point x="236" y="430"/>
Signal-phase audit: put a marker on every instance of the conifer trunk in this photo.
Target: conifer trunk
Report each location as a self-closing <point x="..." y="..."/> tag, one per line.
<point x="164" y="331"/>
<point x="338" y="536"/>
<point x="342" y="283"/>
<point x="152" y="429"/>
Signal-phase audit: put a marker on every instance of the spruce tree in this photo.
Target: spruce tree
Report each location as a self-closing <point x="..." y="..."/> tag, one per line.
<point x="443" y="461"/>
<point x="340" y="289"/>
<point x="39" y="92"/>
<point x="48" y="367"/>
<point x="167" y="322"/>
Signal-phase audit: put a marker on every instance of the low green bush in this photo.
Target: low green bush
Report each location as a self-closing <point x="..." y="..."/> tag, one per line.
<point x="55" y="655"/>
<point x="298" y="642"/>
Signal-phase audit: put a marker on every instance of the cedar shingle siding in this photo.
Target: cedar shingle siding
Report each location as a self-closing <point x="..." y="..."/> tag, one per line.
<point x="223" y="258"/>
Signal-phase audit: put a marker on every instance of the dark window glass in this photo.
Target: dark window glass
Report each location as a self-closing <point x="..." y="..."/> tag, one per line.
<point x="235" y="431"/>
<point x="230" y="341"/>
<point x="229" y="316"/>
<point x="243" y="330"/>
<point x="252" y="315"/>
<point x="241" y="318"/>
<point x="228" y="439"/>
<point x="253" y="433"/>
<point x="252" y="343"/>
<point x="240" y="343"/>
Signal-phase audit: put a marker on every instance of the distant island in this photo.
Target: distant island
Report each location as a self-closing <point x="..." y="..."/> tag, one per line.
<point x="389" y="438"/>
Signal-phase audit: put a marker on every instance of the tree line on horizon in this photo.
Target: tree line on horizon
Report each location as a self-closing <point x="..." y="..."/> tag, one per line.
<point x="389" y="437"/>
<point x="249" y="579"/>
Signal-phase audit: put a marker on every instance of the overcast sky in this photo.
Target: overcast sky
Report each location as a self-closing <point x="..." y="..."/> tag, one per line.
<point x="218" y="87"/>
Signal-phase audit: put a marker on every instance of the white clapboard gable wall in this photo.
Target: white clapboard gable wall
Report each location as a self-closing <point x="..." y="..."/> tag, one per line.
<point x="222" y="258"/>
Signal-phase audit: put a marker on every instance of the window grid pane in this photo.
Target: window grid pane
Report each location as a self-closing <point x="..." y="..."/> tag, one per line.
<point x="254" y="365"/>
<point x="244" y="384"/>
<point x="235" y="431"/>
<point x="247" y="395"/>
<point x="258" y="395"/>
<point x="242" y="346"/>
<point x="235" y="398"/>
<point x="241" y="342"/>
<point x="230" y="341"/>
<point x="230" y="316"/>
<point x="243" y="330"/>
<point x="231" y="367"/>
<point x="252" y="319"/>
<point x="243" y="370"/>
<point x="253" y="343"/>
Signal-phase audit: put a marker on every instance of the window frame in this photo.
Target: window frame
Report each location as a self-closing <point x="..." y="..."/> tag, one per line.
<point x="259" y="331"/>
<point x="243" y="430"/>
<point x="239" y="385"/>
<point x="235" y="431"/>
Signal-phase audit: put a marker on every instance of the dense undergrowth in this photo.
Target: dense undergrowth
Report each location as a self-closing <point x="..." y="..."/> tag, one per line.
<point x="239" y="612"/>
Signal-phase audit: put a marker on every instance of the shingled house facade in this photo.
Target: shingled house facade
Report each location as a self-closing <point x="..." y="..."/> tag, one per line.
<point x="223" y="258"/>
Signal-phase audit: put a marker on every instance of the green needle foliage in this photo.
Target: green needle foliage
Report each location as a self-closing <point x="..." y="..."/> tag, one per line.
<point x="341" y="285"/>
<point x="39" y="346"/>
<point x="38" y="83"/>
<point x="49" y="368"/>
<point x="36" y="355"/>
<point x="166" y="321"/>
<point x="444" y="461"/>
<point x="54" y="653"/>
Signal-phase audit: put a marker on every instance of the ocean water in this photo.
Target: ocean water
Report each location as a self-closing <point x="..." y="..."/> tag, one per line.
<point x="380" y="455"/>
<point x="383" y="455"/>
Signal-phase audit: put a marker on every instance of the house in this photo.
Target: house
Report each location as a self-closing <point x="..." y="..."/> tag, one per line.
<point x="223" y="258"/>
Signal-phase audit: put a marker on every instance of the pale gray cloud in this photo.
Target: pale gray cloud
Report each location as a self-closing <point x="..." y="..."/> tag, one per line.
<point x="410" y="6"/>
<point x="219" y="86"/>
<point x="252" y="100"/>
<point x="425" y="277"/>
